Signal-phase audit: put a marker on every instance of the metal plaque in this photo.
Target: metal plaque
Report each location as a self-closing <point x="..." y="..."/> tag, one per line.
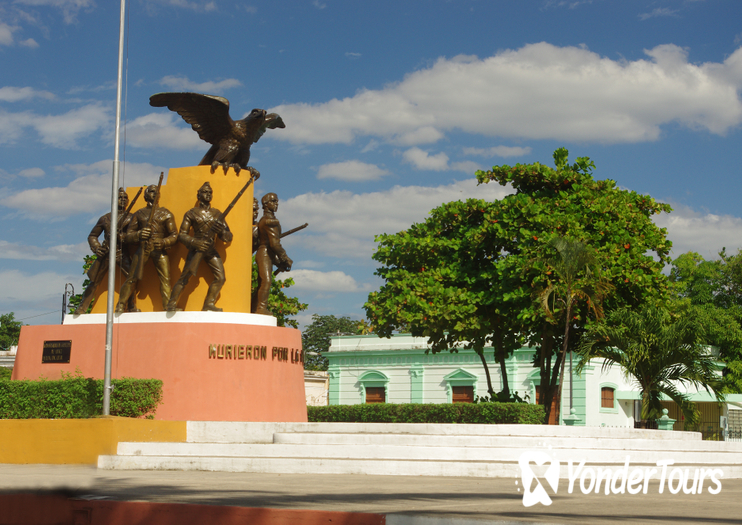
<point x="56" y="352"/>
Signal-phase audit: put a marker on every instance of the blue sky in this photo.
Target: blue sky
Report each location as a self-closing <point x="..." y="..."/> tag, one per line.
<point x="390" y="108"/>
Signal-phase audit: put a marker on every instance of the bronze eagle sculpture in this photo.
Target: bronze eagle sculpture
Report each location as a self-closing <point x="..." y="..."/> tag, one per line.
<point x="208" y="115"/>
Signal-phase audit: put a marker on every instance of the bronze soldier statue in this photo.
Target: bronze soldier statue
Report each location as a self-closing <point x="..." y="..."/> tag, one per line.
<point x="153" y="227"/>
<point x="206" y="222"/>
<point x="99" y="269"/>
<point x="270" y="252"/>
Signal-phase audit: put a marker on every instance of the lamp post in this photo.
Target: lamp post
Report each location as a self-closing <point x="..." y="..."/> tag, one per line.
<point x="65" y="298"/>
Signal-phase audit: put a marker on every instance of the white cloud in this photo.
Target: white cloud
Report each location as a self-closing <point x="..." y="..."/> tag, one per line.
<point x="587" y="98"/>
<point x="423" y="135"/>
<point x="6" y="34"/>
<point x="194" y="5"/>
<point x="705" y="234"/>
<point x="422" y="160"/>
<point x="333" y="281"/>
<point x="352" y="56"/>
<point x="467" y="166"/>
<point x="32" y="173"/>
<point x="499" y="151"/>
<point x="24" y="293"/>
<point x="162" y="130"/>
<point x="351" y="170"/>
<point x="60" y="131"/>
<point x="309" y="264"/>
<point x="318" y="4"/>
<point x="89" y="192"/>
<point x="16" y="94"/>
<point x="63" y="131"/>
<point x="62" y="252"/>
<point x="343" y="224"/>
<point x="176" y="83"/>
<point x="657" y="12"/>
<point x="29" y="42"/>
<point x="69" y="8"/>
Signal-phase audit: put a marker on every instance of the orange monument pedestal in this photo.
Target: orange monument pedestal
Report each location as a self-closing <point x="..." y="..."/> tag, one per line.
<point x="215" y="366"/>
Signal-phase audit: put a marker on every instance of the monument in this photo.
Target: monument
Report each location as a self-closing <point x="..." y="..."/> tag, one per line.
<point x="218" y="361"/>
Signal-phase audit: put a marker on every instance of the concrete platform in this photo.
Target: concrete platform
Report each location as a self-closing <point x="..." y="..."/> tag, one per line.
<point x="486" y="451"/>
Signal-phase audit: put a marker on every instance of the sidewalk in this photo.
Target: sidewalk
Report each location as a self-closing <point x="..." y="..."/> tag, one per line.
<point x="405" y="500"/>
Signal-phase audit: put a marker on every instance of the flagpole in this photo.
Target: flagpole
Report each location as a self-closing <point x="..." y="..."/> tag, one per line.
<point x="114" y="221"/>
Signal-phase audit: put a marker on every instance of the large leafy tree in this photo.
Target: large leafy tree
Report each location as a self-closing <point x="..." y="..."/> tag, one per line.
<point x="10" y="331"/>
<point x="466" y="276"/>
<point x="711" y="293"/>
<point x="316" y="337"/>
<point x="660" y="352"/>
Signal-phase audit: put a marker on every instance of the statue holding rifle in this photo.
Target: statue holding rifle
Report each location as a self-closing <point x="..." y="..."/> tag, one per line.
<point x="269" y="252"/>
<point x="153" y="227"/>
<point x="99" y="269"/>
<point x="206" y="222"/>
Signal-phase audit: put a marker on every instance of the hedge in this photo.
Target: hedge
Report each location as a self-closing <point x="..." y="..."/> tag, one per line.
<point x="76" y="397"/>
<point x="488" y="413"/>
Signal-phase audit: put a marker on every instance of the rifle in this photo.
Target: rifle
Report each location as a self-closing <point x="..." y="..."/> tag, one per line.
<point x="128" y="210"/>
<point x="298" y="228"/>
<point x="145" y="248"/>
<point x="120" y="225"/>
<point x="284" y="234"/>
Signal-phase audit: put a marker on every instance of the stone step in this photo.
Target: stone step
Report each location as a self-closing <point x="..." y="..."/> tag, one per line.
<point x="483" y="469"/>
<point x="574" y="442"/>
<point x="254" y="432"/>
<point x="418" y="453"/>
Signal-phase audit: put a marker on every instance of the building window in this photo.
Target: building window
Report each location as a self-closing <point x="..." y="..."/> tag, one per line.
<point x="607" y="397"/>
<point x="462" y="394"/>
<point x="461" y="386"/>
<point x="373" y="386"/>
<point x="375" y="394"/>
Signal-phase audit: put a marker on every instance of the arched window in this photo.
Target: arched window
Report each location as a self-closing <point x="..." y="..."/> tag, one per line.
<point x="374" y="387"/>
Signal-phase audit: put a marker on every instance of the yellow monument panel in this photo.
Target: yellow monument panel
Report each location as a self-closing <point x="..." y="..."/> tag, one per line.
<point x="178" y="194"/>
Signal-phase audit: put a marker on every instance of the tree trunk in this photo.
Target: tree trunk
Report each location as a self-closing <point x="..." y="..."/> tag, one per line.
<point x="500" y="356"/>
<point x="564" y="347"/>
<point x="548" y="375"/>
<point x="480" y="353"/>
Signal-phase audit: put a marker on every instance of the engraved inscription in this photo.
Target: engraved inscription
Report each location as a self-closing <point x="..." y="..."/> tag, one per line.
<point x="56" y="352"/>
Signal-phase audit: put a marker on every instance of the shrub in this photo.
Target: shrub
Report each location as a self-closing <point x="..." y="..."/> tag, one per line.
<point x="488" y="413"/>
<point x="75" y="397"/>
<point x="5" y="373"/>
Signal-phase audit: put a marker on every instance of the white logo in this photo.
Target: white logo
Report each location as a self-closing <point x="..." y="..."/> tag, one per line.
<point x="527" y="476"/>
<point x="611" y="480"/>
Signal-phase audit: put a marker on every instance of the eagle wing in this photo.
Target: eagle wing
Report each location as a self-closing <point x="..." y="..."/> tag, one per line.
<point x="208" y="115"/>
<point x="272" y="121"/>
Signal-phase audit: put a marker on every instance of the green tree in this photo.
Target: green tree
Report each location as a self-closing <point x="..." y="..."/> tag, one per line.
<point x="10" y="331"/>
<point x="281" y="305"/>
<point x="577" y="277"/>
<point x="316" y="336"/>
<point x="75" y="300"/>
<point x="659" y="352"/>
<point x="465" y="276"/>
<point x="711" y="293"/>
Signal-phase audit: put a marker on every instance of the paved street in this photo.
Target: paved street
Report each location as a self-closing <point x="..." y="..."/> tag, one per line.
<point x="434" y="499"/>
